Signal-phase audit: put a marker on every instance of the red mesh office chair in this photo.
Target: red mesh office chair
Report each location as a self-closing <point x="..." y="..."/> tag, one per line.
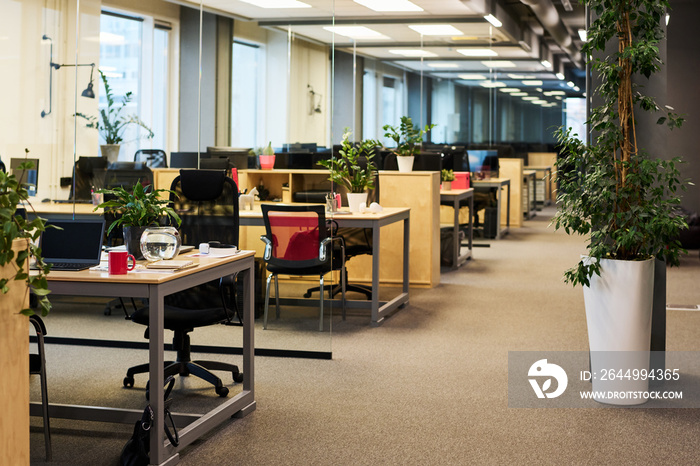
<point x="297" y="242"/>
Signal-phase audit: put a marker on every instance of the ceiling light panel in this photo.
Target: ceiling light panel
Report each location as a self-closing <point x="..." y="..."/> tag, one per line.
<point x="417" y="53"/>
<point x="493" y="20"/>
<point x="492" y="84"/>
<point x="498" y="64"/>
<point x="531" y="82"/>
<point x="356" y="32"/>
<point x="478" y="52"/>
<point x="438" y="65"/>
<point x="436" y="30"/>
<point x="389" y="5"/>
<point x="281" y="4"/>
<point x="471" y="77"/>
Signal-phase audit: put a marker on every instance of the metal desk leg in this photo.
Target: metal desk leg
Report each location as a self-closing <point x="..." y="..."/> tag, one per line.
<point x="375" y="276"/>
<point x="406" y="246"/>
<point x="156" y="373"/>
<point x="471" y="222"/>
<point x="455" y="234"/>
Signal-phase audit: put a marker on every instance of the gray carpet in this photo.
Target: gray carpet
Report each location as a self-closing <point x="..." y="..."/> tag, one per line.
<point x="427" y="387"/>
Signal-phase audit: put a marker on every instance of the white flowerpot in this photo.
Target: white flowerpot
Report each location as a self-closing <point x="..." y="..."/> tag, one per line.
<point x="355" y="199"/>
<point x="446" y="186"/>
<point x="405" y="163"/>
<point x="110" y="151"/>
<point x="618" y="313"/>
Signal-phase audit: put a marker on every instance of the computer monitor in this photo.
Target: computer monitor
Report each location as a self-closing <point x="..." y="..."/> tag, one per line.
<point x="29" y="177"/>
<point x="183" y="159"/>
<point x="238" y="157"/>
<point x="89" y="174"/>
<point x="127" y="174"/>
<point x="483" y="163"/>
<point x="301" y="147"/>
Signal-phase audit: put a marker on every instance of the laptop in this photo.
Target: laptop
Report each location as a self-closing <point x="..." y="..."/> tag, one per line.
<point x="77" y="246"/>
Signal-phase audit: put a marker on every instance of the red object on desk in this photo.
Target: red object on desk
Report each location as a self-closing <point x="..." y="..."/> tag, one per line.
<point x="461" y="180"/>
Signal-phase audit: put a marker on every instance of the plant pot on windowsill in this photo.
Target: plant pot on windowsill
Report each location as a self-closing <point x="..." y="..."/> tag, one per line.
<point x="110" y="152"/>
<point x="405" y="163"/>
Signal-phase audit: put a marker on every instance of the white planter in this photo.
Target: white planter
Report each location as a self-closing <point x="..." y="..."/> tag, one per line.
<point x="110" y="151"/>
<point x="446" y="186"/>
<point x="355" y="199"/>
<point x="405" y="163"/>
<point x="618" y="313"/>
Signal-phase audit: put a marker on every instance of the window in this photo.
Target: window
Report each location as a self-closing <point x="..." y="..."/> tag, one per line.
<point x="134" y="57"/>
<point x="245" y="77"/>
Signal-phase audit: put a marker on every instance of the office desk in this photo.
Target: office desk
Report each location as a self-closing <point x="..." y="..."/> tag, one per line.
<point x="63" y="210"/>
<point x="530" y="203"/>
<point x="155" y="286"/>
<point x="499" y="184"/>
<point x="379" y="310"/>
<point x="455" y="196"/>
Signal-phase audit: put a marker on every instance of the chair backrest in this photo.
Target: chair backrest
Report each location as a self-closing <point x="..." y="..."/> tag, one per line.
<point x="207" y="203"/>
<point x="296" y="233"/>
<point x="153" y="158"/>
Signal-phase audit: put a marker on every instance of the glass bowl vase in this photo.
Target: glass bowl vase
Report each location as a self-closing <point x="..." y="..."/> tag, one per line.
<point x="160" y="243"/>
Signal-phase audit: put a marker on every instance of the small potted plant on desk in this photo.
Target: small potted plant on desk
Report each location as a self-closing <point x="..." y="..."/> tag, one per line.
<point x="408" y="139"/>
<point x="111" y="124"/>
<point x="619" y="197"/>
<point x="135" y="210"/>
<point x="447" y="177"/>
<point x="17" y="237"/>
<point x="350" y="171"/>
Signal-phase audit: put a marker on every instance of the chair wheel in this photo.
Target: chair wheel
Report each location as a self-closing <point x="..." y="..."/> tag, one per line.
<point x="128" y="382"/>
<point x="238" y="377"/>
<point x="221" y="391"/>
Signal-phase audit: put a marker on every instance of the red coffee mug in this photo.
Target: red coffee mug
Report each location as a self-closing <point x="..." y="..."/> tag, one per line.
<point x="119" y="262"/>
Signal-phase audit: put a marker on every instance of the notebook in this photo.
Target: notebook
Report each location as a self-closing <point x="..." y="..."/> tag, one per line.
<point x="77" y="246"/>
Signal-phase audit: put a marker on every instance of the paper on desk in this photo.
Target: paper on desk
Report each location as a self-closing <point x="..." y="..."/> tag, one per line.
<point x="218" y="252"/>
<point x="104" y="267"/>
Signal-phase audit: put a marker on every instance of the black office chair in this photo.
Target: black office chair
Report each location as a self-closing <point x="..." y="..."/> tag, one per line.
<point x="207" y="203"/>
<point x="297" y="242"/>
<point x="37" y="365"/>
<point x="153" y="158"/>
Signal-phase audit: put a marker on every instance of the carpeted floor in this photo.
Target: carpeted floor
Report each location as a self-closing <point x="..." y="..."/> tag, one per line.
<point x="427" y="387"/>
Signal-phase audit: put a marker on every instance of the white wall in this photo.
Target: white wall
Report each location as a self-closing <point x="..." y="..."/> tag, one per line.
<point x="25" y="84"/>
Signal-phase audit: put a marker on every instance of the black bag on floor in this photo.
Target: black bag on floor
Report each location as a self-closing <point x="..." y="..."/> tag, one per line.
<point x="137" y="449"/>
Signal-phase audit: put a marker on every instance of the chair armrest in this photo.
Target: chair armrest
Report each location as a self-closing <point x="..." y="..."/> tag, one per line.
<point x="268" y="247"/>
<point x="324" y="243"/>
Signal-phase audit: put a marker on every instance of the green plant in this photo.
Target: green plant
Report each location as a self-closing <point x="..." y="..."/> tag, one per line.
<point x="612" y="190"/>
<point x="140" y="207"/>
<point x="346" y="169"/>
<point x="447" y="175"/>
<point x="111" y="124"/>
<point x="13" y="194"/>
<point x="268" y="150"/>
<point x="406" y="136"/>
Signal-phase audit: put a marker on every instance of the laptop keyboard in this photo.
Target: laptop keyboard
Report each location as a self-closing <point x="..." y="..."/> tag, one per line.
<point x="71" y="265"/>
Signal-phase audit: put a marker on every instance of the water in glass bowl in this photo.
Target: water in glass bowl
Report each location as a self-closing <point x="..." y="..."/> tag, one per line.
<point x="160" y="243"/>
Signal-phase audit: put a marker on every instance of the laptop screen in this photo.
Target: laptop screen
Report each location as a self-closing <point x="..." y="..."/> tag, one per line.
<point x="77" y="241"/>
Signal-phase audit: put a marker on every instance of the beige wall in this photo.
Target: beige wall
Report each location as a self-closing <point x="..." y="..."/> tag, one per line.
<point x="25" y="84"/>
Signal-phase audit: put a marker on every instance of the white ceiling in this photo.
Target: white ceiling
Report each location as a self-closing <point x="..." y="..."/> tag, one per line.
<point x="520" y="26"/>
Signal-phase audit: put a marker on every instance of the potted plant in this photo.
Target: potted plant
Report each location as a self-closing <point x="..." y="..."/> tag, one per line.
<point x="347" y="170"/>
<point x="17" y="242"/>
<point x="408" y="139"/>
<point x="135" y="210"/>
<point x="111" y="124"/>
<point x="447" y="177"/>
<point x="615" y="193"/>
<point x="267" y="157"/>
